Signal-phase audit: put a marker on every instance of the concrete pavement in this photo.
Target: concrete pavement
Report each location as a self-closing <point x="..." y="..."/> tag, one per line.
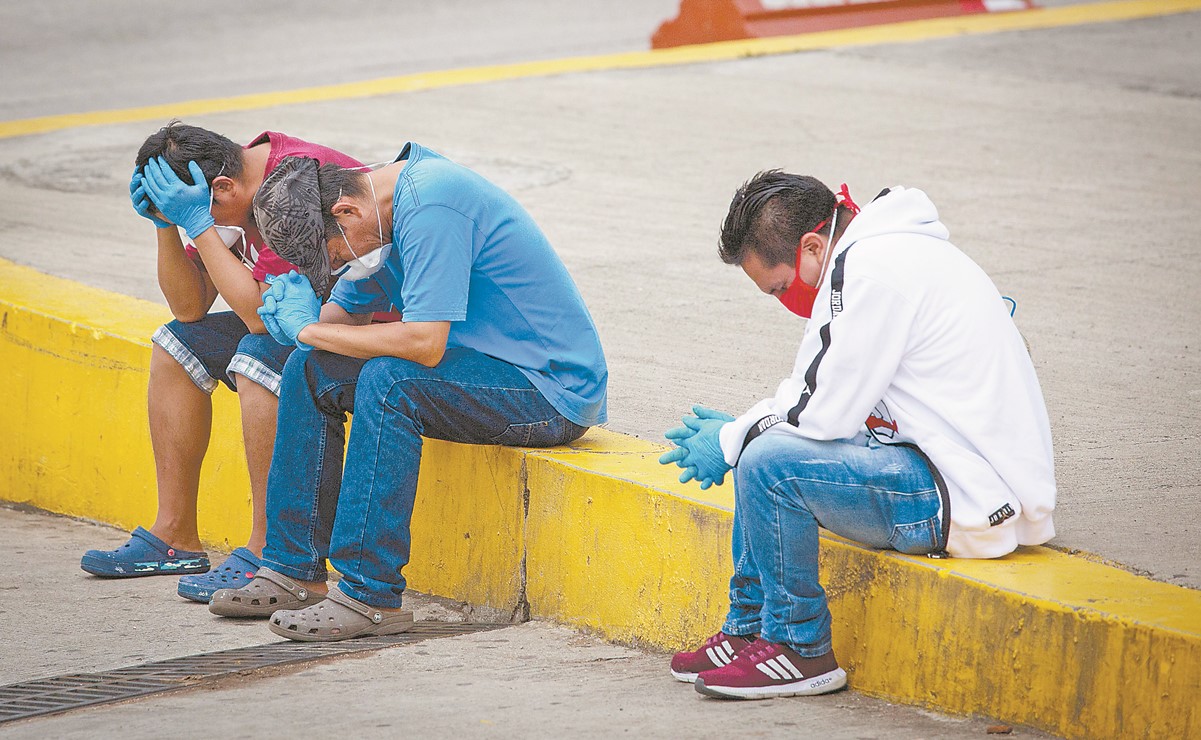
<point x="529" y="680"/>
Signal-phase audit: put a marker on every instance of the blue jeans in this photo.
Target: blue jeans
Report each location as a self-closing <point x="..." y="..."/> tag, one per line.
<point x="219" y="347"/>
<point x="785" y="487"/>
<point x="359" y="520"/>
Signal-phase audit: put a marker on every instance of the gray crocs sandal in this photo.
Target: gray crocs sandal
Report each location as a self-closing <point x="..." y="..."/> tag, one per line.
<point x="339" y="617"/>
<point x="266" y="592"/>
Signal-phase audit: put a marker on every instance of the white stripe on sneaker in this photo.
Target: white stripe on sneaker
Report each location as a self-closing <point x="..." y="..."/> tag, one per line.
<point x="729" y="650"/>
<point x="782" y="660"/>
<point x="767" y="670"/>
<point x="715" y="657"/>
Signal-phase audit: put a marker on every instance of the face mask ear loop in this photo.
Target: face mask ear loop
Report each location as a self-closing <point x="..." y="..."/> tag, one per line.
<point x="211" y="198"/>
<point x="829" y="247"/>
<point x="379" y="221"/>
<point x="339" y="224"/>
<point x="243" y="253"/>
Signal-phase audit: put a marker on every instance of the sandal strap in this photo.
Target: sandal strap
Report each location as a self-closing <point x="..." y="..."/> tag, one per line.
<point x="338" y="596"/>
<point x="283" y="582"/>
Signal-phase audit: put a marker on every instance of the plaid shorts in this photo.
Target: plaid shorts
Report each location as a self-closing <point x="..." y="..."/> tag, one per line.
<point x="219" y="347"/>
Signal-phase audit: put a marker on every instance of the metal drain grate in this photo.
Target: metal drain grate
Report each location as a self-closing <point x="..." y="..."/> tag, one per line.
<point x="76" y="690"/>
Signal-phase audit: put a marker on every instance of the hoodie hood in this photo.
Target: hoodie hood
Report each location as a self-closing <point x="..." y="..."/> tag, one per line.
<point x="898" y="210"/>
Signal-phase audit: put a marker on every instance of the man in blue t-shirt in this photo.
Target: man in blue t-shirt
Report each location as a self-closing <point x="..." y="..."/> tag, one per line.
<point x="495" y="346"/>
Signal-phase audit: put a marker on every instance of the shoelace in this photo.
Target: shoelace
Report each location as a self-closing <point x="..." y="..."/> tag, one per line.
<point x="753" y="652"/>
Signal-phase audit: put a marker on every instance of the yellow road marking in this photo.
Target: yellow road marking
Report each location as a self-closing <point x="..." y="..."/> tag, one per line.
<point x="908" y="32"/>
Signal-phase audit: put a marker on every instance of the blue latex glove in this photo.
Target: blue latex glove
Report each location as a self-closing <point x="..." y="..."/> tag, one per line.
<point x="141" y="204"/>
<point x="678" y="454"/>
<point x="185" y="205"/>
<point x="289" y="305"/>
<point x="698" y="449"/>
<point x="267" y="314"/>
<point x="703" y="412"/>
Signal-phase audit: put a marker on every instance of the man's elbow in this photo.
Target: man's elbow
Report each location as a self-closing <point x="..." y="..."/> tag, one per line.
<point x="432" y="354"/>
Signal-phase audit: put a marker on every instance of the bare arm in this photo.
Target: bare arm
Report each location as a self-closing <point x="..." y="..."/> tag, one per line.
<point x="188" y="290"/>
<point x="233" y="281"/>
<point x="419" y="341"/>
<point x="332" y="313"/>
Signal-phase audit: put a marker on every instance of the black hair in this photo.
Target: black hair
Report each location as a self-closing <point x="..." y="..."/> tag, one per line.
<point x="771" y="212"/>
<point x="333" y="182"/>
<point x="179" y="144"/>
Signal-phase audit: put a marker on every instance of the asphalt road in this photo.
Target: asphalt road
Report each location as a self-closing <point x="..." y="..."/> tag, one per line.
<point x="1064" y="161"/>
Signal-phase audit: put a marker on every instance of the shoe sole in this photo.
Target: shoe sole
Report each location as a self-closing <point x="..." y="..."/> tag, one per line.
<point x="371" y="630"/>
<point x="824" y="684"/>
<point x="685" y="677"/>
<point x="104" y="568"/>
<point x="202" y="596"/>
<point x="243" y="610"/>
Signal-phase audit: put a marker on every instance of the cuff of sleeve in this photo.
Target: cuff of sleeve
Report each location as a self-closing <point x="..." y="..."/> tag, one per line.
<point x="435" y="316"/>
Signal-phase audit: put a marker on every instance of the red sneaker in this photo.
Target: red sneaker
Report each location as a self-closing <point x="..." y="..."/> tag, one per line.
<point x="767" y="669"/>
<point x="717" y="651"/>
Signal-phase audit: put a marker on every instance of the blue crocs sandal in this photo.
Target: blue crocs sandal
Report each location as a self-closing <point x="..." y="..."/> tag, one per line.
<point x="143" y="555"/>
<point x="235" y="572"/>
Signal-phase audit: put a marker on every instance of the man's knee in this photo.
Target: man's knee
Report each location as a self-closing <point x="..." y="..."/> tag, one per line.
<point x="259" y="359"/>
<point x="760" y="465"/>
<point x="392" y="381"/>
<point x="173" y="361"/>
<point x="329" y="379"/>
<point x="765" y="450"/>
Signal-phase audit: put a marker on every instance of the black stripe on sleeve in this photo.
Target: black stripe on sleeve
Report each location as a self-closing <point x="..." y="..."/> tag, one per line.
<point x="760" y="427"/>
<point x="837" y="278"/>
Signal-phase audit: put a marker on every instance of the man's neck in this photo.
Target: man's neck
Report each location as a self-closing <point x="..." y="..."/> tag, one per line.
<point x="384" y="181"/>
<point x="254" y="166"/>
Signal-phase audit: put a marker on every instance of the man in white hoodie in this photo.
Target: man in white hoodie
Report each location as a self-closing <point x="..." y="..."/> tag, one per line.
<point x="913" y="421"/>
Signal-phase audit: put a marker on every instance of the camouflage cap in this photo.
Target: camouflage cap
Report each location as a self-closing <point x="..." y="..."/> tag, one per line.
<point x="287" y="208"/>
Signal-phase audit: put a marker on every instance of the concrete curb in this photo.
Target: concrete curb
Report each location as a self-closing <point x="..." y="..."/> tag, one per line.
<point x="598" y="535"/>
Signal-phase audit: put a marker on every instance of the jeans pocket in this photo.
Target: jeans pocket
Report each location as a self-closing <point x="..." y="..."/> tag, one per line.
<point x="918" y="538"/>
<point x="517" y="435"/>
<point x="549" y="433"/>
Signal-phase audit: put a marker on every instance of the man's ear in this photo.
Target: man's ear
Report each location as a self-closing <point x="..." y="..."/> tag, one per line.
<point x="812" y="243"/>
<point x="345" y="208"/>
<point x="223" y="186"/>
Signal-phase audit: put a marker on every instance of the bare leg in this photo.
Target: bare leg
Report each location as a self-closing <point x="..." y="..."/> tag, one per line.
<point x="181" y="420"/>
<point x="259" y="407"/>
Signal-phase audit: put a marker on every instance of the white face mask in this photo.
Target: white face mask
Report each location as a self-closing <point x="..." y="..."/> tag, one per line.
<point x="231" y="235"/>
<point x="361" y="268"/>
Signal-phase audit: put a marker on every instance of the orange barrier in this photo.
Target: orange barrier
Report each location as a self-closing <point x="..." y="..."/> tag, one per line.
<point x="705" y="21"/>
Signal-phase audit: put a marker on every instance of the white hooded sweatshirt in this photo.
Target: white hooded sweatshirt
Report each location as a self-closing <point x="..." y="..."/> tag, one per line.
<point x="909" y="334"/>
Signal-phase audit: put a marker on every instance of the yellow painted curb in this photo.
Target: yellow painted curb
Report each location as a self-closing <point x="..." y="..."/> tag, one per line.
<point x="599" y="535"/>
<point x="907" y="32"/>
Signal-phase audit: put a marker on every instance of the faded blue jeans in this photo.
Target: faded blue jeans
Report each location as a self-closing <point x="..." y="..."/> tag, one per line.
<point x="785" y="487"/>
<point x="359" y="520"/>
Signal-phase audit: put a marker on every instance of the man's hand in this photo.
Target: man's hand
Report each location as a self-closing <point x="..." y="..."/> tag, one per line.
<point x="182" y="204"/>
<point x="289" y="305"/>
<point x="141" y="204"/>
<point x="698" y="449"/>
<point x="703" y="412"/>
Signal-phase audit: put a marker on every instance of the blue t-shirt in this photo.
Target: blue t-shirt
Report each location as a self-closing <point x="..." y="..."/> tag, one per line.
<point x="465" y="251"/>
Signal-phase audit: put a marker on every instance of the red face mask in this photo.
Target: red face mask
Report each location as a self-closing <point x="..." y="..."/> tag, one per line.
<point x="800" y="296"/>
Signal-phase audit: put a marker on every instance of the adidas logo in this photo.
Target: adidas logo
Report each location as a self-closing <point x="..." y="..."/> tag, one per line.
<point x="780" y="668"/>
<point x="721" y="654"/>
